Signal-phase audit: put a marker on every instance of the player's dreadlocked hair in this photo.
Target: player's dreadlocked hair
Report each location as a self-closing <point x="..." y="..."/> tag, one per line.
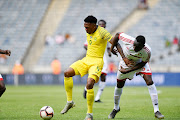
<point x="141" y="39"/>
<point x="90" y="19"/>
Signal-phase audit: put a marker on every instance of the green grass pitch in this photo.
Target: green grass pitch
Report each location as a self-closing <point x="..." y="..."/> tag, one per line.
<point x="24" y="103"/>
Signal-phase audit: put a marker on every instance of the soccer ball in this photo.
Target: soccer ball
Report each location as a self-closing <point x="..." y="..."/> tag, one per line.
<point x="46" y="112"/>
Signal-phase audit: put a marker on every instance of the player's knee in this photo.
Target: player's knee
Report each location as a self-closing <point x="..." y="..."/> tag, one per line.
<point x="89" y="86"/>
<point x="2" y="88"/>
<point x="69" y="72"/>
<point x="103" y="77"/>
<point x="149" y="83"/>
<point x="90" y="83"/>
<point x="66" y="73"/>
<point x="120" y="84"/>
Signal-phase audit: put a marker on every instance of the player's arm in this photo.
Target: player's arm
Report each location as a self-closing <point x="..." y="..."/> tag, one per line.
<point x="108" y="49"/>
<point x="6" y="52"/>
<point x="114" y="43"/>
<point x="85" y="47"/>
<point x="130" y="69"/>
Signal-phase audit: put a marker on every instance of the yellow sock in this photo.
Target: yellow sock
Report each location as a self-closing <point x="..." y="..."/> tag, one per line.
<point x="90" y="100"/>
<point x="68" y="83"/>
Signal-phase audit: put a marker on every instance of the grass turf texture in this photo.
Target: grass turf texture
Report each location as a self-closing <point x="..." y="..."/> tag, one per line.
<point x="24" y="103"/>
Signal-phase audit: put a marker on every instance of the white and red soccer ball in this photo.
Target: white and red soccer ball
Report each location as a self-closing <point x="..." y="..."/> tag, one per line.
<point x="46" y="112"/>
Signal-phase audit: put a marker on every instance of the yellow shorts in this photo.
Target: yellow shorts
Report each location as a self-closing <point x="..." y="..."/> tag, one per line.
<point x="91" y="65"/>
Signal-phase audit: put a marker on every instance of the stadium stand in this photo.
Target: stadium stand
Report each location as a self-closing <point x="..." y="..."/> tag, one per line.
<point x="160" y="22"/>
<point x="19" y="20"/>
<point x="113" y="12"/>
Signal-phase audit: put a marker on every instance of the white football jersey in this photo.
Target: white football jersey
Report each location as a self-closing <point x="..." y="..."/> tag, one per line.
<point x="127" y="46"/>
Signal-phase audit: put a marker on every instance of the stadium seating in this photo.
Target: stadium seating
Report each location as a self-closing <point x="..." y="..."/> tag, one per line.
<point x="113" y="12"/>
<point x="159" y="23"/>
<point x="19" y="22"/>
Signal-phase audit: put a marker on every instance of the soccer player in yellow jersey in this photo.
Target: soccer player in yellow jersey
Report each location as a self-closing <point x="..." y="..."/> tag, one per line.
<point x="97" y="38"/>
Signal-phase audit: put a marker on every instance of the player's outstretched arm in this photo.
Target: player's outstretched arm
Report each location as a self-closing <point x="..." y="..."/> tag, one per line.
<point x="114" y="41"/>
<point x="85" y="47"/>
<point x="6" y="52"/>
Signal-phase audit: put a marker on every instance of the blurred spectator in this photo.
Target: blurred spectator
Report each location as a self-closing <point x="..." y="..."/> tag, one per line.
<point x="49" y="40"/>
<point x="167" y="43"/>
<point x="18" y="69"/>
<point x="175" y="41"/>
<point x="59" y="39"/>
<point x="143" y="4"/>
<point x="69" y="38"/>
<point x="112" y="67"/>
<point x="2" y="58"/>
<point x="56" y="66"/>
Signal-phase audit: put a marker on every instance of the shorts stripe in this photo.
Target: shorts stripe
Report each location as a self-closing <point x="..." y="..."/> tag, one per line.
<point x="122" y="79"/>
<point x="103" y="73"/>
<point x="145" y="73"/>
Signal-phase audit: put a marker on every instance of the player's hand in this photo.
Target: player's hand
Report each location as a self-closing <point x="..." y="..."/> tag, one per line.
<point x="124" y="71"/>
<point x="128" y="62"/>
<point x="114" y="51"/>
<point x="8" y="52"/>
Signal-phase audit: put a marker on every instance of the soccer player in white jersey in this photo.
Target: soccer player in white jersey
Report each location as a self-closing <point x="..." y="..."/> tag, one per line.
<point x="135" y="55"/>
<point x="102" y="82"/>
<point x="2" y="85"/>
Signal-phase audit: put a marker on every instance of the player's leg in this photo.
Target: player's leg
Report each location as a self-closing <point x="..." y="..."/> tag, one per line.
<point x="77" y="68"/>
<point x="102" y="85"/>
<point x="68" y="83"/>
<point x="153" y="93"/>
<point x="2" y="86"/>
<point x="117" y="95"/>
<point x="90" y="96"/>
<point x="95" y="69"/>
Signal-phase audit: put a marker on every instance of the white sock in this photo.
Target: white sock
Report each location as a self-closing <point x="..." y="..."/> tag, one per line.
<point x="85" y="88"/>
<point x="117" y="95"/>
<point x="154" y="96"/>
<point x="69" y="101"/>
<point x="100" y="90"/>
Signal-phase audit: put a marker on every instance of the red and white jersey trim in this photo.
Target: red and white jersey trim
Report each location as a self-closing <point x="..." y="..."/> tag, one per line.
<point x="1" y="78"/>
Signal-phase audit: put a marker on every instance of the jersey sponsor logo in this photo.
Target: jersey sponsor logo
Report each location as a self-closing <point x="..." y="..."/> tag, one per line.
<point x="90" y="42"/>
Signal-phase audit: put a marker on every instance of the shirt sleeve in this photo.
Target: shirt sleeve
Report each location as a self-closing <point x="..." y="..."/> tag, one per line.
<point x="105" y="34"/>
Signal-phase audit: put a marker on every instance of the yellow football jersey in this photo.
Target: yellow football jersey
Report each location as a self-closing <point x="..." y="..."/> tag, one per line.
<point x="97" y="42"/>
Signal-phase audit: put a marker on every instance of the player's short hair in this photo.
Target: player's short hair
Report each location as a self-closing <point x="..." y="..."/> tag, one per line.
<point x="141" y="39"/>
<point x="102" y="21"/>
<point x="90" y="19"/>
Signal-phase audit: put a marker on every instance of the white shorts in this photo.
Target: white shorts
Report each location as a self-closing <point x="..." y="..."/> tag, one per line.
<point x="105" y="66"/>
<point x="145" y="70"/>
<point x="1" y="78"/>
